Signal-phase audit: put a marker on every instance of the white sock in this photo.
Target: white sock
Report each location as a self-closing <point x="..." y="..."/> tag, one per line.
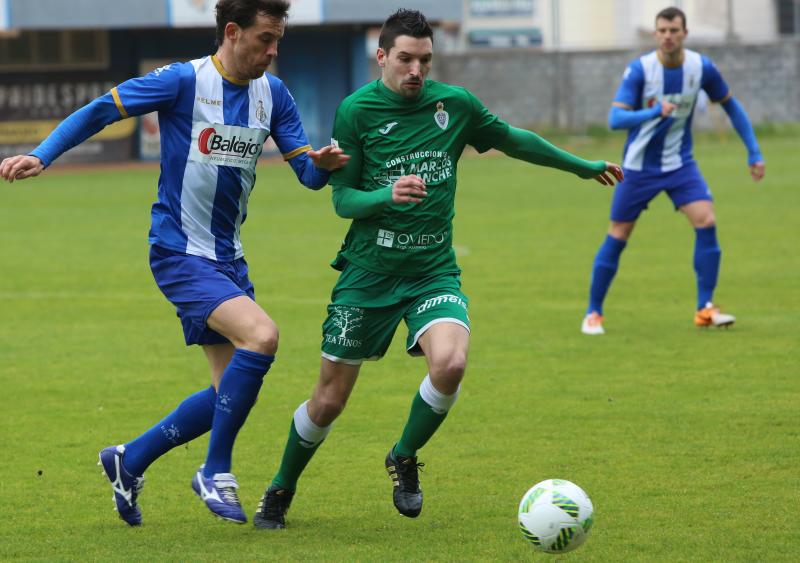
<point x="309" y="431"/>
<point x="439" y="402"/>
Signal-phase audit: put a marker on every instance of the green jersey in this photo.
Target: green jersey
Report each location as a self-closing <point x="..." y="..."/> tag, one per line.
<point x="389" y="136"/>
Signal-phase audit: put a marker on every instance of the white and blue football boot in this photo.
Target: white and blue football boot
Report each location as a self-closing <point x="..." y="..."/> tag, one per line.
<point x="126" y="486"/>
<point x="219" y="494"/>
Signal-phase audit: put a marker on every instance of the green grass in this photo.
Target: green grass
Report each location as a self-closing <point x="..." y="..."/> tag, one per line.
<point x="687" y="440"/>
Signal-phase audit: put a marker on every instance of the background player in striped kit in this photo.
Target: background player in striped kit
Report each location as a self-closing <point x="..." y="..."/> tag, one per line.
<point x="215" y="114"/>
<point x="655" y="102"/>
<point x="405" y="135"/>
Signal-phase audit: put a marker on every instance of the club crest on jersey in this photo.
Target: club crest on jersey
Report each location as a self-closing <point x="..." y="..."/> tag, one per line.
<point x="441" y="117"/>
<point x="261" y="115"/>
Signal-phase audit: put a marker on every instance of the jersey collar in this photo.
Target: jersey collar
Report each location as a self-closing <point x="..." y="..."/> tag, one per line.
<point x="225" y="75"/>
<point x="665" y="65"/>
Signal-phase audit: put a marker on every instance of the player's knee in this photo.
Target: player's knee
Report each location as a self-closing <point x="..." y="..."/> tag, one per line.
<point x="327" y="408"/>
<point x="263" y="338"/>
<point x="621" y="230"/>
<point x="450" y="369"/>
<point x="705" y="221"/>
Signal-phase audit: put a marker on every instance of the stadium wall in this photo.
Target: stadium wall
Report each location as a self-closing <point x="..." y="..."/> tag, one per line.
<point x="573" y="90"/>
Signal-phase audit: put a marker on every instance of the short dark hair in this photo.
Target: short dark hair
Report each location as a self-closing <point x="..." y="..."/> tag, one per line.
<point x="403" y="22"/>
<point x="670" y="14"/>
<point x="243" y="13"/>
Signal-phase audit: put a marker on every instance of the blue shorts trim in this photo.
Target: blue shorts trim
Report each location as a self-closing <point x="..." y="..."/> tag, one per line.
<point x="637" y="190"/>
<point x="197" y="286"/>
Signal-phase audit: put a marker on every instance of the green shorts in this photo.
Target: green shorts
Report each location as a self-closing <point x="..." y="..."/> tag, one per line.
<point x="366" y="309"/>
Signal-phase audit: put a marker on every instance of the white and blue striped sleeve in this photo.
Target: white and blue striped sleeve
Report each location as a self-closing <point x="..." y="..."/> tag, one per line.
<point x="629" y="93"/>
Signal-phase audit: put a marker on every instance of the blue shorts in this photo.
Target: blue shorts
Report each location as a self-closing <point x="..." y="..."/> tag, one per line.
<point x="635" y="192"/>
<point x="197" y="286"/>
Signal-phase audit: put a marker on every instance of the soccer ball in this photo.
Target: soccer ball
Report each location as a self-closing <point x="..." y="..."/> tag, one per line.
<point x="555" y="516"/>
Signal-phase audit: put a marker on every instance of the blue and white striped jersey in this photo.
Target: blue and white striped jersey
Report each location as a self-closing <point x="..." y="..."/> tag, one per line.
<point x="213" y="129"/>
<point x="665" y="144"/>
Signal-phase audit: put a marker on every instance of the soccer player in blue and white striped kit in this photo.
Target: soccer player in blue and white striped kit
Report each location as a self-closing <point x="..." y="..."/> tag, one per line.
<point x="215" y="114"/>
<point x="655" y="102"/>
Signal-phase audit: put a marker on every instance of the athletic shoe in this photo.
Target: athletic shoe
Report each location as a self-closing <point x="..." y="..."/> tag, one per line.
<point x="710" y="315"/>
<point x="272" y="508"/>
<point x="404" y="473"/>
<point x="592" y="324"/>
<point x="219" y="494"/>
<point x="126" y="487"/>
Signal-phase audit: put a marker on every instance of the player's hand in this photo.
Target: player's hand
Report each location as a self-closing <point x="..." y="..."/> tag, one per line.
<point x="329" y="157"/>
<point x="20" y="167"/>
<point x="757" y="171"/>
<point x="409" y="189"/>
<point x="667" y="108"/>
<point x="612" y="171"/>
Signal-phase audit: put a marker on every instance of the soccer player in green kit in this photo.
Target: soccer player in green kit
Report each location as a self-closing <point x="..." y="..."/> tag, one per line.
<point x="404" y="135"/>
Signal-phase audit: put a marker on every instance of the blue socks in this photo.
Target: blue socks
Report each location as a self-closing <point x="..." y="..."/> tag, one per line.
<point x="236" y="395"/>
<point x="191" y="419"/>
<point x="605" y="267"/>
<point x="707" y="256"/>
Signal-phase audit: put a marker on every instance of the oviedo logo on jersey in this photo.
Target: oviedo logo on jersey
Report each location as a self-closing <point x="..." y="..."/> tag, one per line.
<point x="226" y="145"/>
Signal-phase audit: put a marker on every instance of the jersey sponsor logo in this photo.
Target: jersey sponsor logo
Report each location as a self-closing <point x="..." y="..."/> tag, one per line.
<point x="385" y="238"/>
<point x="346" y="319"/>
<point x="441" y="117"/>
<point x="439" y="300"/>
<point x="434" y="167"/>
<point x="226" y="145"/>
<point x="684" y="103"/>
<point x="385" y="130"/>
<point x="408" y="241"/>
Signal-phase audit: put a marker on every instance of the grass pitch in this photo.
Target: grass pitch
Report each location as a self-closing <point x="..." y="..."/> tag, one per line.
<point x="687" y="440"/>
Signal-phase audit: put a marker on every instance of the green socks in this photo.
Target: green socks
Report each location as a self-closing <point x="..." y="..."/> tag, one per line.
<point x="428" y="411"/>
<point x="304" y="439"/>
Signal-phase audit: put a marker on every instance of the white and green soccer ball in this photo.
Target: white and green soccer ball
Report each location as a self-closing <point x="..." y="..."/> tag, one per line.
<point x="555" y="516"/>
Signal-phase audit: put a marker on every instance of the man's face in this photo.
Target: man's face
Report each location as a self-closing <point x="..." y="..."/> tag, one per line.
<point x="256" y="46"/>
<point x="405" y="66"/>
<point x="670" y="35"/>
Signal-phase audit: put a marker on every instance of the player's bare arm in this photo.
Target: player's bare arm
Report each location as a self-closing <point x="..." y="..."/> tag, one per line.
<point x="20" y="167"/>
<point x="329" y="157"/>
<point x="409" y="189"/>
